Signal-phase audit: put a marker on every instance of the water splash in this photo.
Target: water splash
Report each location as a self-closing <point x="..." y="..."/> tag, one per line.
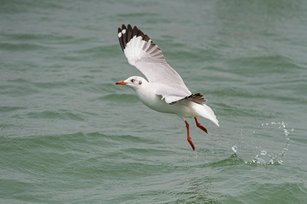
<point x="267" y="156"/>
<point x="234" y="148"/>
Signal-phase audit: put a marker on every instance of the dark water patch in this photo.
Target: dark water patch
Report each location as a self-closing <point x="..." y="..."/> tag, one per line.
<point x="135" y="15"/>
<point x="205" y="197"/>
<point x="34" y="37"/>
<point x="16" y="90"/>
<point x="13" y="7"/>
<point x="39" y="42"/>
<point x="77" y="155"/>
<point x="199" y="190"/>
<point x="49" y="5"/>
<point x="21" y="86"/>
<point x="102" y="88"/>
<point x="22" y="47"/>
<point x="132" y="139"/>
<point x="40" y="161"/>
<point x="297" y="137"/>
<point x="6" y="125"/>
<point x="178" y="52"/>
<point x="60" y="114"/>
<point x="230" y="161"/>
<point x="18" y="80"/>
<point x="271" y="193"/>
<point x="12" y="71"/>
<point x="67" y="40"/>
<point x="150" y="151"/>
<point x="288" y="99"/>
<point x="259" y="65"/>
<point x="57" y="137"/>
<point x="51" y="85"/>
<point x="10" y="108"/>
<point x="128" y="168"/>
<point x="279" y="92"/>
<point x="100" y="51"/>
<point x="72" y="57"/>
<point x="195" y="55"/>
<point x="235" y="91"/>
<point x="240" y="110"/>
<point x="50" y="153"/>
<point x="149" y="154"/>
<point x="124" y="98"/>
<point x="79" y="138"/>
<point x="14" y="188"/>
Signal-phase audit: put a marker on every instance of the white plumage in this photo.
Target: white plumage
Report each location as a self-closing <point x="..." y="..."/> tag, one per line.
<point x="165" y="91"/>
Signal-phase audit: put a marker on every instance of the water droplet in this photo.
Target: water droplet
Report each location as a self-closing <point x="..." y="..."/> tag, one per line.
<point x="263" y="152"/>
<point x="234" y="148"/>
<point x="283" y="124"/>
<point x="280" y="161"/>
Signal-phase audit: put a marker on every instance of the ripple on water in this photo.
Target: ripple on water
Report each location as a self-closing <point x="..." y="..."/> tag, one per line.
<point x="259" y="65"/>
<point x="270" y="192"/>
<point x="61" y="114"/>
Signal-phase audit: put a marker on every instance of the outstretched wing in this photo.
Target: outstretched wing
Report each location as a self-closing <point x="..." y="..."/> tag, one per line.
<point x="147" y="57"/>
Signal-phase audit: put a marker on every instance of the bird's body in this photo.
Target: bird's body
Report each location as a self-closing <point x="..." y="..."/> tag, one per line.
<point x="152" y="100"/>
<point x="148" y="95"/>
<point x="165" y="91"/>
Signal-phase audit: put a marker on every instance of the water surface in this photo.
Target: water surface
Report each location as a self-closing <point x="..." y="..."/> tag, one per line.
<point x="69" y="135"/>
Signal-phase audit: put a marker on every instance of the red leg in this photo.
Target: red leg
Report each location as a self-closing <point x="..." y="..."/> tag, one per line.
<point x="200" y="126"/>
<point x="188" y="134"/>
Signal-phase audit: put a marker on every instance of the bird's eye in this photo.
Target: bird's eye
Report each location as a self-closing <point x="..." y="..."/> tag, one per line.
<point x="140" y="82"/>
<point x="132" y="80"/>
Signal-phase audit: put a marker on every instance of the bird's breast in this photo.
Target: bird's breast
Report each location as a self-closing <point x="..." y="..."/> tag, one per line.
<point x="155" y="102"/>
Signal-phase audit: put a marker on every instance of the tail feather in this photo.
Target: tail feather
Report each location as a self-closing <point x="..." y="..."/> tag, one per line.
<point x="205" y="111"/>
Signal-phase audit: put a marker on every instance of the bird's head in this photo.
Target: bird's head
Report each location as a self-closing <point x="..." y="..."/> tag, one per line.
<point x="134" y="82"/>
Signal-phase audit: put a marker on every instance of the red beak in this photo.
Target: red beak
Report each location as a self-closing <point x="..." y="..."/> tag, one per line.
<point x="121" y="82"/>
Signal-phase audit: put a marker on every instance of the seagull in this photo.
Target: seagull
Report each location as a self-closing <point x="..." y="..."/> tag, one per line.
<point x="163" y="90"/>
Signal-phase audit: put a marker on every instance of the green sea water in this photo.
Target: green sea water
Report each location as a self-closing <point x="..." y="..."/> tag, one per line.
<point x="69" y="135"/>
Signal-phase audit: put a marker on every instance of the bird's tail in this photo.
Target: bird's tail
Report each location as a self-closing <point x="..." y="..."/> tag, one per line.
<point x="206" y="112"/>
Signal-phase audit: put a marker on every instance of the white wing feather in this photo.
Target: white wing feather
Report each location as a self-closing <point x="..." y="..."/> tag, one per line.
<point x="147" y="57"/>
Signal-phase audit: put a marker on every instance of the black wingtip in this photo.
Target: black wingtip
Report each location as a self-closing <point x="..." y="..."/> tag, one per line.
<point x="196" y="98"/>
<point x="119" y="31"/>
<point x="130" y="32"/>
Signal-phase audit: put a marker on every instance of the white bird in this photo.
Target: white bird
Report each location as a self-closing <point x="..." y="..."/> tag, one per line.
<point x="164" y="90"/>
